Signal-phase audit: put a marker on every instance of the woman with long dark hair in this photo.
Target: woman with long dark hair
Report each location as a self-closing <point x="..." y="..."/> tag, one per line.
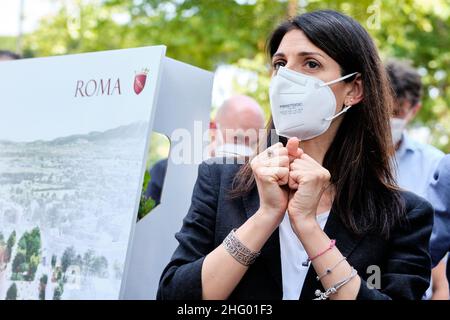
<point x="318" y="214"/>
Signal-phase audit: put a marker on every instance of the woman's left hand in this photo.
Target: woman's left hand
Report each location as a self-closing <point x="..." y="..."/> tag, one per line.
<point x="307" y="181"/>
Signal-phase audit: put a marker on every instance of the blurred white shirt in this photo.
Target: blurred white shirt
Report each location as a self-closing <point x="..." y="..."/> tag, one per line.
<point x="416" y="164"/>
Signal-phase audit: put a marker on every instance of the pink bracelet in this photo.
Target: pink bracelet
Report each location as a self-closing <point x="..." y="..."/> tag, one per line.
<point x="331" y="246"/>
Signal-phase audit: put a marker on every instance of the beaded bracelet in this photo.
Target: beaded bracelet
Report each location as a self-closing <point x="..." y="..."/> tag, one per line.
<point x="332" y="290"/>
<point x="331" y="246"/>
<point x="238" y="251"/>
<point x="329" y="270"/>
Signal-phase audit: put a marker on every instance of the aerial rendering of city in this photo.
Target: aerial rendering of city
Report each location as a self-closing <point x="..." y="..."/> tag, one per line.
<point x="66" y="213"/>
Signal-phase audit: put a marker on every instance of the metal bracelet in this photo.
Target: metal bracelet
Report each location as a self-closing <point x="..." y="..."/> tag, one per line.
<point x="329" y="270"/>
<point x="332" y="290"/>
<point x="238" y="251"/>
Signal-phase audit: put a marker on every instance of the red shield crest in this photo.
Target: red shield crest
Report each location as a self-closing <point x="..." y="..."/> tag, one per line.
<point x="139" y="81"/>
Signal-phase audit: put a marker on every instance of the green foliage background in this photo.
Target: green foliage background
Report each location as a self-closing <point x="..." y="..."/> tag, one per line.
<point x="208" y="33"/>
<point x="7" y="43"/>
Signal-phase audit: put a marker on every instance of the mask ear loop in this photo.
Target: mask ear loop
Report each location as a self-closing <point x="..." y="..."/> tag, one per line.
<point x="333" y="82"/>
<point x="338" y="80"/>
<point x="338" y="114"/>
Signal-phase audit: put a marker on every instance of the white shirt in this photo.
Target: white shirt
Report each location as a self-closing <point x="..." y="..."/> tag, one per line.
<point x="292" y="256"/>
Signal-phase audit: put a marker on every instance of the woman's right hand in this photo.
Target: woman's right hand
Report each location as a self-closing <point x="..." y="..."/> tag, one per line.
<point x="271" y="171"/>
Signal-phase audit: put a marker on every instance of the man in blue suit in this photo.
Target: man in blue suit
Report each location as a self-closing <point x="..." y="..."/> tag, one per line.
<point x="416" y="162"/>
<point x="439" y="195"/>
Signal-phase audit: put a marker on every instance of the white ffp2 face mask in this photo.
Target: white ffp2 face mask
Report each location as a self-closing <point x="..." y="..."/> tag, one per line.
<point x="398" y="125"/>
<point x="302" y="106"/>
<point x="230" y="149"/>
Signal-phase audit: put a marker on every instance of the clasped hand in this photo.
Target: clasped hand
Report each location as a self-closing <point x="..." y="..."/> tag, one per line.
<point x="289" y="180"/>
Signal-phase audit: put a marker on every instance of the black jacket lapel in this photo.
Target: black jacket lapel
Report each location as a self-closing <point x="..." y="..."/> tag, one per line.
<point x="345" y="241"/>
<point x="270" y="253"/>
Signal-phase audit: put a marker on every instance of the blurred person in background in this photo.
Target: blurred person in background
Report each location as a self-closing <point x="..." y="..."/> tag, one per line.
<point x="238" y="122"/>
<point x="416" y="162"/>
<point x="233" y="133"/>
<point x="6" y="55"/>
<point x="439" y="194"/>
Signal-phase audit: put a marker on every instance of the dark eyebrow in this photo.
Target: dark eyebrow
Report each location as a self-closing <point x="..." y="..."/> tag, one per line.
<point x="306" y="53"/>
<point x="278" y="54"/>
<point x="302" y="54"/>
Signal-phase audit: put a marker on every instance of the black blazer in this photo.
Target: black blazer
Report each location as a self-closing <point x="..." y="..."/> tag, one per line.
<point x="404" y="258"/>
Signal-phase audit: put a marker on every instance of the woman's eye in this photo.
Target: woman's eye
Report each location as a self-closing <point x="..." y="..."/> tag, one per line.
<point x="278" y="64"/>
<point x="312" y="64"/>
